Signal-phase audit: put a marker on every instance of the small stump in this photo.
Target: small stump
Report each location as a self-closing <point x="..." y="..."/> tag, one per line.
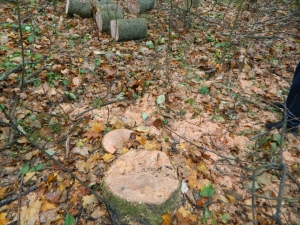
<point x="142" y="185"/>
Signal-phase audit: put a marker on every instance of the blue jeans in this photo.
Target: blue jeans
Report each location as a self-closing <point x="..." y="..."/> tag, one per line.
<point x="293" y="100"/>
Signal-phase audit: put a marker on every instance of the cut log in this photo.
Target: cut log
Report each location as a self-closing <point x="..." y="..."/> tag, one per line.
<point x="104" y="17"/>
<point x="141" y="186"/>
<point x="128" y="29"/>
<point x="140" y="6"/>
<point x="83" y="8"/>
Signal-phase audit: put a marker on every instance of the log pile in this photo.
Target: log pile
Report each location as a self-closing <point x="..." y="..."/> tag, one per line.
<point x="110" y="17"/>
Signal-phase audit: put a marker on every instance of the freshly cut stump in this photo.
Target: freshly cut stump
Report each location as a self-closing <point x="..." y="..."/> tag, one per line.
<point x="103" y="18"/>
<point x="142" y="185"/>
<point x="140" y="6"/>
<point x="128" y="29"/>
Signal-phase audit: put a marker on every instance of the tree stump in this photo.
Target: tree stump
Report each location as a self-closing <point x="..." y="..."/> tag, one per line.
<point x="83" y="8"/>
<point x="142" y="185"/>
<point x="128" y="29"/>
<point x="140" y="6"/>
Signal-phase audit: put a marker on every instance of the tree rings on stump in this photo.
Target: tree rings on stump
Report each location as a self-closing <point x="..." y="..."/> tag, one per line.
<point x="141" y="186"/>
<point x="140" y="6"/>
<point x="128" y="29"/>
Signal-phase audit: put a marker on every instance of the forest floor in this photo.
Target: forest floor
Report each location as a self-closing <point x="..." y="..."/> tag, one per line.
<point x="189" y="89"/>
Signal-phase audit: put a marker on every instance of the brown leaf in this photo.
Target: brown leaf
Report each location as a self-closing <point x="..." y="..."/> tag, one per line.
<point x="167" y="219"/>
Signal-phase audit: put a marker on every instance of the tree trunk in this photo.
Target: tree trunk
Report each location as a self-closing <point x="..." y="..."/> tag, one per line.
<point x="128" y="29"/>
<point x="141" y="186"/>
<point x="103" y="18"/>
<point x="83" y="8"/>
<point x="140" y="6"/>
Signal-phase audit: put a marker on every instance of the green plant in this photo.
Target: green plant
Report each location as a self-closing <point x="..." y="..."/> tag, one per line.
<point x="204" y="90"/>
<point x="70" y="95"/>
<point x="224" y="217"/>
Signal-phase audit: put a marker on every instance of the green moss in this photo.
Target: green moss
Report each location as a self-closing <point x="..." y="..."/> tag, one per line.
<point x="142" y="213"/>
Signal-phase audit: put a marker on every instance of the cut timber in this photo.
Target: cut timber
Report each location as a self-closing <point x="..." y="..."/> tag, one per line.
<point x="141" y="186"/>
<point x="140" y="6"/>
<point x="83" y="8"/>
<point x="110" y="7"/>
<point x="103" y="18"/>
<point x="128" y="29"/>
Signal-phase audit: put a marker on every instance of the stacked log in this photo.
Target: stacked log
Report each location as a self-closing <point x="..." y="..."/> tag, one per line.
<point x="104" y="17"/>
<point x="83" y="8"/>
<point x="128" y="29"/>
<point x="140" y="6"/>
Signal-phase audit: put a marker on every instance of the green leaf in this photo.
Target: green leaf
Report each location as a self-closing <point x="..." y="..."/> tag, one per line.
<point x="191" y="101"/>
<point x="277" y="138"/>
<point x="149" y="44"/>
<point x="144" y="115"/>
<point x="220" y="118"/>
<point x="31" y="38"/>
<point x="50" y="151"/>
<point x="204" y="90"/>
<point x="207" y="190"/>
<point x="69" y="220"/>
<point x="160" y="99"/>
<point x="25" y="169"/>
<point x="225" y="217"/>
<point x="72" y="96"/>
<point x="79" y="144"/>
<point x="66" y="82"/>
<point x="37" y="168"/>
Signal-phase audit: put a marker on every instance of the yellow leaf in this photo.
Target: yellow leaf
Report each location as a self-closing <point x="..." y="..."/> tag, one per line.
<point x="231" y="198"/>
<point x="192" y="179"/>
<point x="108" y="157"/>
<point x="47" y="205"/>
<point x="3" y="219"/>
<point x="183" y="211"/>
<point x="88" y="200"/>
<point x="98" y="127"/>
<point x="29" y="176"/>
<point x="141" y="139"/>
<point x="201" y="167"/>
<point x="80" y="59"/>
<point x="2" y="191"/>
<point x="30" y="214"/>
<point x="193" y="217"/>
<point x="167" y="219"/>
<point x="182" y="145"/>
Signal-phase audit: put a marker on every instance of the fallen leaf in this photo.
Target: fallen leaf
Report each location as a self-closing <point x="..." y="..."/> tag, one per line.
<point x="108" y="157"/>
<point x="3" y="219"/>
<point x="115" y="139"/>
<point x="88" y="200"/>
<point x="167" y="219"/>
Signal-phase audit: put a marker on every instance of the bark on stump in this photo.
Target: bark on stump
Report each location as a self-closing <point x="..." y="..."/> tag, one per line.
<point x="140" y="6"/>
<point x="83" y="8"/>
<point x="103" y="18"/>
<point x="128" y="29"/>
<point x="142" y="185"/>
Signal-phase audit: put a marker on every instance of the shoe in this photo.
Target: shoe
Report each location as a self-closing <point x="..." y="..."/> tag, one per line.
<point x="278" y="105"/>
<point x="278" y="125"/>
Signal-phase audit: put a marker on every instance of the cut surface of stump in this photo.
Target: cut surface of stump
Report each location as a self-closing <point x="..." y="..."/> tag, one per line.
<point x="140" y="6"/>
<point x="128" y="29"/>
<point x="142" y="185"/>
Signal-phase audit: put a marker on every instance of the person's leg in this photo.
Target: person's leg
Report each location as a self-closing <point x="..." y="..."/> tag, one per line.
<point x="293" y="100"/>
<point x="293" y="105"/>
